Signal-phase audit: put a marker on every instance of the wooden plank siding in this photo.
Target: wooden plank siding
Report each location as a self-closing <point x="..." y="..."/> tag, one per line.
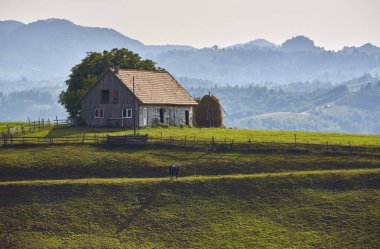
<point x="112" y="111"/>
<point x="173" y="115"/>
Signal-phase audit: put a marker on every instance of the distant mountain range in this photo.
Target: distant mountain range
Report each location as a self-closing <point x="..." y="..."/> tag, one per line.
<point x="47" y="49"/>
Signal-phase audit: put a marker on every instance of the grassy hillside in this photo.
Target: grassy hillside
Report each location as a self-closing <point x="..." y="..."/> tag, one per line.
<point x="81" y="161"/>
<point x="5" y="125"/>
<point x="239" y="135"/>
<point x="324" y="210"/>
<point x="87" y="196"/>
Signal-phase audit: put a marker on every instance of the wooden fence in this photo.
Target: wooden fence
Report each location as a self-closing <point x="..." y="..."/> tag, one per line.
<point x="33" y="126"/>
<point x="212" y="144"/>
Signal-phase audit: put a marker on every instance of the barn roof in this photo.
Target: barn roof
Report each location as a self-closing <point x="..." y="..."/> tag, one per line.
<point x="155" y="87"/>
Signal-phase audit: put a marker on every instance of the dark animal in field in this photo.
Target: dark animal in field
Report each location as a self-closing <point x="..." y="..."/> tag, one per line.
<point x="174" y="171"/>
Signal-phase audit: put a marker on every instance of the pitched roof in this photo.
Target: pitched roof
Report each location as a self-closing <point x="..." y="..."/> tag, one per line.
<point x="155" y="87"/>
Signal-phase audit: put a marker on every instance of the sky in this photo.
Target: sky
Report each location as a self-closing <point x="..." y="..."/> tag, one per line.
<point x="332" y="24"/>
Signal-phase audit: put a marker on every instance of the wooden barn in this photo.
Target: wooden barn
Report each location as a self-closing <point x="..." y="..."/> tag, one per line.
<point x="153" y="96"/>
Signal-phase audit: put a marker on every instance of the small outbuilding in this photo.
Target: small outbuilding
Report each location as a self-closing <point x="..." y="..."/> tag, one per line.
<point x="151" y="96"/>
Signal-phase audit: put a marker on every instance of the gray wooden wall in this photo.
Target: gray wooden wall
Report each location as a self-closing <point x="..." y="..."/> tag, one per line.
<point x="112" y="112"/>
<point x="173" y="115"/>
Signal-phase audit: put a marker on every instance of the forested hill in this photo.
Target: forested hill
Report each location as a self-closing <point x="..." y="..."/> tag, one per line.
<point x="352" y="106"/>
<point x="341" y="108"/>
<point x="297" y="59"/>
<point x="47" y="49"/>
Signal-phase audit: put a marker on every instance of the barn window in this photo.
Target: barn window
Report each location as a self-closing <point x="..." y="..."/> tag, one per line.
<point x="105" y="97"/>
<point x="99" y="113"/>
<point x="127" y="113"/>
<point x="115" y="99"/>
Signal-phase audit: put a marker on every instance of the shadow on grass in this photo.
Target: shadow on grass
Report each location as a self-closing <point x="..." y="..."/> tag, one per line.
<point x="65" y="131"/>
<point x="138" y="212"/>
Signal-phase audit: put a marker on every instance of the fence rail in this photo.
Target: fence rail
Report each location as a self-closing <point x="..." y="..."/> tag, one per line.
<point x="33" y="126"/>
<point x="214" y="145"/>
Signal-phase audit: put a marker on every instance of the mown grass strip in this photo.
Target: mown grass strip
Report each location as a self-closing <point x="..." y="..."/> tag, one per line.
<point x="100" y="181"/>
<point x="221" y="135"/>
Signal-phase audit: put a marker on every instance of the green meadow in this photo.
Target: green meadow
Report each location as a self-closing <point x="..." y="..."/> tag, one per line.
<point x="338" y="209"/>
<point x="238" y="135"/>
<point x="5" y="125"/>
<point x="92" y="196"/>
<point x="83" y="161"/>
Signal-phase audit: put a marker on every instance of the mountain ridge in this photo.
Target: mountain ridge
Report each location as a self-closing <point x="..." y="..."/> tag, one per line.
<point x="47" y="49"/>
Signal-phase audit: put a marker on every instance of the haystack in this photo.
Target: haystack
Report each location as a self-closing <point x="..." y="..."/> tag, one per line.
<point x="208" y="112"/>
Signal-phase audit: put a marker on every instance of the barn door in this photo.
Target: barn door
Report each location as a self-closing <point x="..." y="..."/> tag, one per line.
<point x="161" y="115"/>
<point x="145" y="116"/>
<point x="187" y="117"/>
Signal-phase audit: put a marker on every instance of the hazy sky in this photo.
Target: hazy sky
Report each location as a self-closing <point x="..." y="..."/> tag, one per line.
<point x="330" y="23"/>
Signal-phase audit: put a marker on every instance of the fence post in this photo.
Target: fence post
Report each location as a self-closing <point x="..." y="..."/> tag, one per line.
<point x="30" y="127"/>
<point x="56" y="119"/>
<point x="43" y="123"/>
<point x="295" y="140"/>
<point x="349" y="146"/>
<point x="213" y="143"/>
<point x="327" y="146"/>
<point x="232" y="143"/>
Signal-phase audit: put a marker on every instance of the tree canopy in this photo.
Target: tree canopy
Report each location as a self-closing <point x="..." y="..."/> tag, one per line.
<point x="85" y="74"/>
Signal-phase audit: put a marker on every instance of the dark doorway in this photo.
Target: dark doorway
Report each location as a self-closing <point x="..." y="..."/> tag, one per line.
<point x="162" y="115"/>
<point x="187" y="117"/>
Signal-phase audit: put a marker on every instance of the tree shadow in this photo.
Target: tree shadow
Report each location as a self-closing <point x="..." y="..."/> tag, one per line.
<point x="66" y="131"/>
<point x="138" y="212"/>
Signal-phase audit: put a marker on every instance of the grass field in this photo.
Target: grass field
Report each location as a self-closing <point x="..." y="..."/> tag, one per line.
<point x="238" y="135"/>
<point x="82" y="161"/>
<point x="5" y="125"/>
<point x="87" y="196"/>
<point x="338" y="209"/>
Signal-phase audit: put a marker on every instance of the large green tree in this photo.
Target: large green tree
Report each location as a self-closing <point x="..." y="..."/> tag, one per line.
<point x="85" y="74"/>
